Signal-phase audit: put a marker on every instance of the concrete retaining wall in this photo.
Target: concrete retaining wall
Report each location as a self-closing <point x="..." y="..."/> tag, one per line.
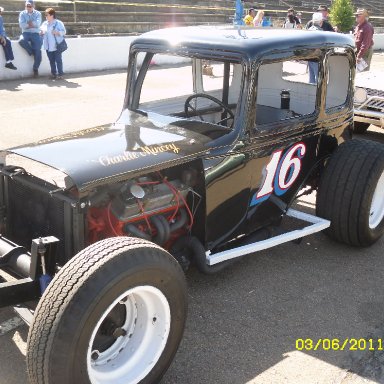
<point x="379" y="41"/>
<point x="88" y="54"/>
<point x="83" y="54"/>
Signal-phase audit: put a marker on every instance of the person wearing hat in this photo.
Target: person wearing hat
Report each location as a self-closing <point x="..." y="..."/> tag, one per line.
<point x="291" y="20"/>
<point x="363" y="38"/>
<point x="248" y="20"/>
<point x="326" y="25"/>
<point x="6" y="43"/>
<point x="30" y="40"/>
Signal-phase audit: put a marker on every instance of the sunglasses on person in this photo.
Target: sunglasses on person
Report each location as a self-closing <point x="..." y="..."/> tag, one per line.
<point x="29" y="6"/>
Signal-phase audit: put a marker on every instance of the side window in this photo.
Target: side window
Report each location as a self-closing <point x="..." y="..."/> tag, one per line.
<point x="284" y="91"/>
<point x="338" y="81"/>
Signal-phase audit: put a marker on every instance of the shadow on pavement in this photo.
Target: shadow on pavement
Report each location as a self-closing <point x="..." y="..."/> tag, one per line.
<point x="68" y="81"/>
<point x="244" y="322"/>
<point x="14" y="85"/>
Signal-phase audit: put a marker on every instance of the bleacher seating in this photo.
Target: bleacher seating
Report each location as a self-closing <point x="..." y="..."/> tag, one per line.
<point x="133" y="17"/>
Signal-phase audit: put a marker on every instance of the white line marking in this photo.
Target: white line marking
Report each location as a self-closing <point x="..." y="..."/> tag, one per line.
<point x="10" y="325"/>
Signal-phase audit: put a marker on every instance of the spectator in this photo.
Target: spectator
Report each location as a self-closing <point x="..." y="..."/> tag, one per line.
<point x="326" y="25"/>
<point x="6" y="43"/>
<point x="258" y="20"/>
<point x="317" y="23"/>
<point x="363" y="38"/>
<point x="291" y="20"/>
<point x="248" y="20"/>
<point x="53" y="32"/>
<point x="30" y="40"/>
<point x="298" y="15"/>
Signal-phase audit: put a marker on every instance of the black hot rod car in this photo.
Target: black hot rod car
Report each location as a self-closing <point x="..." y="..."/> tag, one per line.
<point x="98" y="225"/>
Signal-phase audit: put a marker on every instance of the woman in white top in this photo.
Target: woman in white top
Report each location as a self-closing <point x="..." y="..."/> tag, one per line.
<point x="258" y="20"/>
<point x="53" y="32"/>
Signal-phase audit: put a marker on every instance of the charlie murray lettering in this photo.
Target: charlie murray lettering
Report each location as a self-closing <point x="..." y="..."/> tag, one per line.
<point x="149" y="150"/>
<point x="280" y="173"/>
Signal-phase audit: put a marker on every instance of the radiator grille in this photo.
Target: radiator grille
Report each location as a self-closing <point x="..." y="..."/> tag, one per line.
<point x="376" y="103"/>
<point x="32" y="214"/>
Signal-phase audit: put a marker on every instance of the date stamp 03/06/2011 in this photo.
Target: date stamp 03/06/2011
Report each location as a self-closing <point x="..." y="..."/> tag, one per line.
<point x="346" y="344"/>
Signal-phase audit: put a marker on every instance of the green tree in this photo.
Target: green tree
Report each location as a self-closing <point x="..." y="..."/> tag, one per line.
<point x="342" y="15"/>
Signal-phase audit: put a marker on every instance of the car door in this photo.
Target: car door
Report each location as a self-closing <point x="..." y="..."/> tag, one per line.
<point x="285" y="138"/>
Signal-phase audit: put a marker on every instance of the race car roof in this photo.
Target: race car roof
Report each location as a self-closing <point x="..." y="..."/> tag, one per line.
<point x="228" y="41"/>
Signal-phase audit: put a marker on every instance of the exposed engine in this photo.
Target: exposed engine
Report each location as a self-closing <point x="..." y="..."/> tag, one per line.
<point x="151" y="208"/>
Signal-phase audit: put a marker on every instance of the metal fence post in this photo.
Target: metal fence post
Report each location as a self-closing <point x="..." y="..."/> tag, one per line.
<point x="74" y="11"/>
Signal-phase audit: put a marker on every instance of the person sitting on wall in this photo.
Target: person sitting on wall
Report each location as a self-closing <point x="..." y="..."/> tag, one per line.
<point x="30" y="40"/>
<point x="248" y="20"/>
<point x="258" y="20"/>
<point x="6" y="43"/>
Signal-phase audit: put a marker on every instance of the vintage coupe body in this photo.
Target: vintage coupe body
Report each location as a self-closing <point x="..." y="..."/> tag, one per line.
<point x="98" y="225"/>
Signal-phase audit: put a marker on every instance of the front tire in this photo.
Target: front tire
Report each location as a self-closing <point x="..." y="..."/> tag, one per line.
<point x="114" y="313"/>
<point x="351" y="193"/>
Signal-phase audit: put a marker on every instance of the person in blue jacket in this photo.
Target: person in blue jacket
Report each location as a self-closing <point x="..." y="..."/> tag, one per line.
<point x="30" y="39"/>
<point x="53" y="32"/>
<point x="6" y="43"/>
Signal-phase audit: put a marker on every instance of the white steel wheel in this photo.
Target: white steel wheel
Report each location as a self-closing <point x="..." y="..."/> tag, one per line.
<point x="129" y="338"/>
<point x="115" y="313"/>
<point x="376" y="213"/>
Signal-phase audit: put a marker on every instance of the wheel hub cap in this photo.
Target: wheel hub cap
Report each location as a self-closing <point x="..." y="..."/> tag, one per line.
<point x="129" y="338"/>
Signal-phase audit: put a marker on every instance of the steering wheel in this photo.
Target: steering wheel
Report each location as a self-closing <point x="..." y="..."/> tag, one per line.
<point x="189" y="107"/>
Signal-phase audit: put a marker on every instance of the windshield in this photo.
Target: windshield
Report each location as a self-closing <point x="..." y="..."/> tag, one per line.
<point x="188" y="88"/>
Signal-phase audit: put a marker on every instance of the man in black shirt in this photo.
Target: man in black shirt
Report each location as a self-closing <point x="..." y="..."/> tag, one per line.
<point x="326" y="26"/>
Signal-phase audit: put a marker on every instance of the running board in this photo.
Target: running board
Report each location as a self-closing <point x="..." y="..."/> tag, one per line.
<point x="317" y="224"/>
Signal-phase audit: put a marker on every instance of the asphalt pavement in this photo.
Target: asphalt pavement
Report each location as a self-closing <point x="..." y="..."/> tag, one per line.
<point x="250" y="323"/>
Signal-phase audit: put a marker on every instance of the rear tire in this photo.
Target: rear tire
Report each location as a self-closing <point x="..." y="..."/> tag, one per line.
<point x="114" y="313"/>
<point x="351" y="193"/>
<point x="360" y="127"/>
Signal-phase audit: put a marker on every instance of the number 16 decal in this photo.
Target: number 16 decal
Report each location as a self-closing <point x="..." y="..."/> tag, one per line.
<point x="280" y="173"/>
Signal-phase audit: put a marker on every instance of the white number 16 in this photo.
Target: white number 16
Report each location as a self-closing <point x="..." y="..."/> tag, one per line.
<point x="280" y="173"/>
